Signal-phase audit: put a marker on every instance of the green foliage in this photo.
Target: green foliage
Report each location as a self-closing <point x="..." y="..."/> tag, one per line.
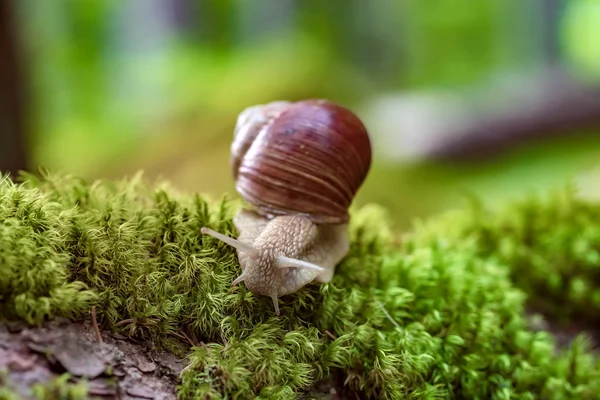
<point x="436" y="317"/>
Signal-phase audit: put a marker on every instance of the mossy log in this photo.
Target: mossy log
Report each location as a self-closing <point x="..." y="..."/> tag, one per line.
<point x="440" y="314"/>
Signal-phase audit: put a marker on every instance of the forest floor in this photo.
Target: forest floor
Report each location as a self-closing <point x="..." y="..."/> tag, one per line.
<point x="116" y="368"/>
<point x="119" y="368"/>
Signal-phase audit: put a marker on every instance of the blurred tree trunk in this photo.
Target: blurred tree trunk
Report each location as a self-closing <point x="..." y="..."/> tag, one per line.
<point x="562" y="109"/>
<point x="12" y="116"/>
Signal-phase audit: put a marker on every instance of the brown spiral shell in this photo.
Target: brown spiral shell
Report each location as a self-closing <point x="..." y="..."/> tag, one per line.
<point x="309" y="157"/>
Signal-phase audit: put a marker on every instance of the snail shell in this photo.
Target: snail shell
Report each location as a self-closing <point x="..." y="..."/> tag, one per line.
<point x="308" y="157"/>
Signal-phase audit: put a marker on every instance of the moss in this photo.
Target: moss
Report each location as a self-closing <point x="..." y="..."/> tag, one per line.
<point x="437" y="317"/>
<point x="59" y="387"/>
<point x="550" y="244"/>
<point x="8" y="394"/>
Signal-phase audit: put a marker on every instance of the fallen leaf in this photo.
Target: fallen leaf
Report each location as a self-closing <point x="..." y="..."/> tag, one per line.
<point x="75" y="355"/>
<point x="20" y="363"/>
<point x="145" y="392"/>
<point x="101" y="388"/>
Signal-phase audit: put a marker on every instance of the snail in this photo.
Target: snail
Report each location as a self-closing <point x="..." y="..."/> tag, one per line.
<point x="299" y="164"/>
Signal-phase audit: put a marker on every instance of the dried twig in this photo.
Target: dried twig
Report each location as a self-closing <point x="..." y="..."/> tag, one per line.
<point x="184" y="336"/>
<point x="387" y="314"/>
<point x="192" y="342"/>
<point x="95" y="323"/>
<point x="331" y="335"/>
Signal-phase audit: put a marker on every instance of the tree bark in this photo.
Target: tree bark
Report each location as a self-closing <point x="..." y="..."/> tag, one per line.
<point x="13" y="155"/>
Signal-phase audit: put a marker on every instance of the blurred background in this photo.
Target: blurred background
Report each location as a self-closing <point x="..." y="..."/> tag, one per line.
<point x="497" y="98"/>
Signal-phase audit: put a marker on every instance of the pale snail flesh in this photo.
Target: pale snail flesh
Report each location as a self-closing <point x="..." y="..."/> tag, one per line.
<point x="300" y="165"/>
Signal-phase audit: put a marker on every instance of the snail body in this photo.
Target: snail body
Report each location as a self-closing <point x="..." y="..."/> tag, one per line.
<point x="299" y="165"/>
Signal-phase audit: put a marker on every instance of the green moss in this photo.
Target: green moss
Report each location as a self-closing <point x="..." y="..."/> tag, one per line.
<point x="60" y="388"/>
<point x="8" y="394"/>
<point x="550" y="244"/>
<point x="437" y="317"/>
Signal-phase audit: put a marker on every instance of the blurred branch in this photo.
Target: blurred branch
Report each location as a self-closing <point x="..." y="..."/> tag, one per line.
<point x="561" y="108"/>
<point x="12" y="117"/>
<point x="484" y="120"/>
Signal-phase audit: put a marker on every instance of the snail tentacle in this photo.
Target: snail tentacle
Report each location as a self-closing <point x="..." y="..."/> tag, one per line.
<point x="287" y="262"/>
<point x="238" y="280"/>
<point x="245" y="247"/>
